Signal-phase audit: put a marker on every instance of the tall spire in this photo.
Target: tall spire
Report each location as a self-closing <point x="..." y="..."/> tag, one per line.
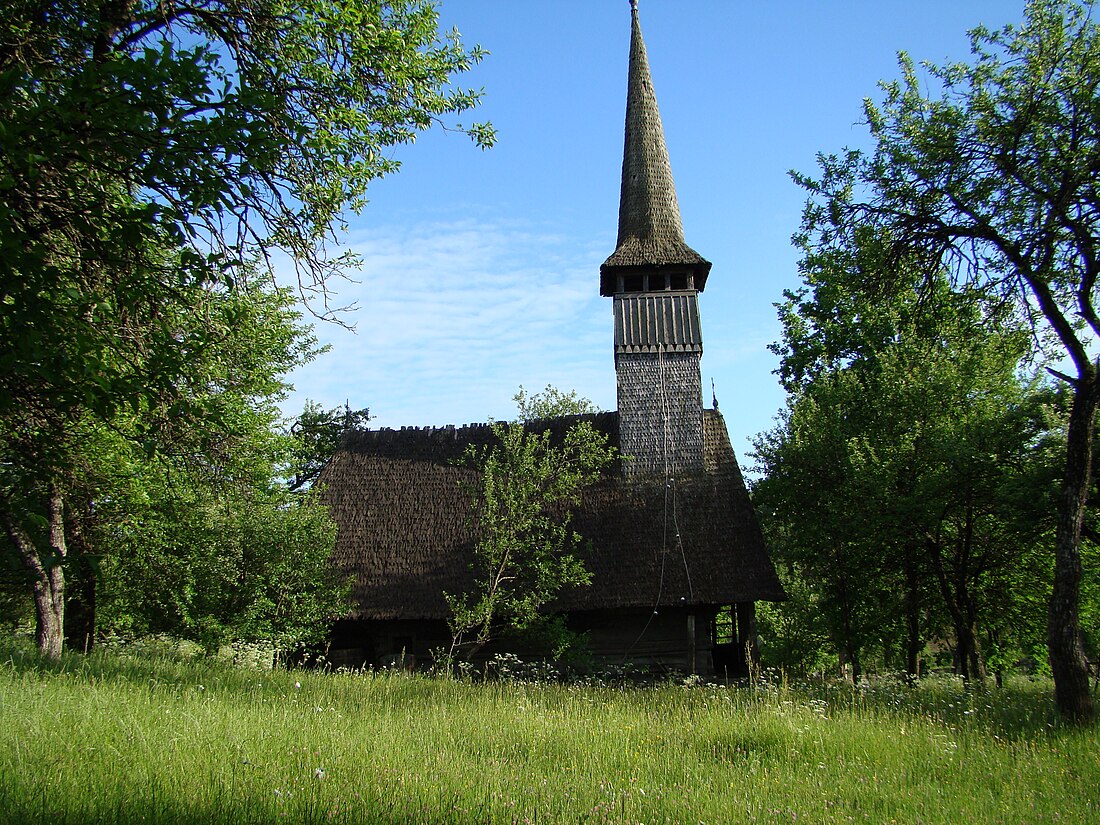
<point x="650" y="231"/>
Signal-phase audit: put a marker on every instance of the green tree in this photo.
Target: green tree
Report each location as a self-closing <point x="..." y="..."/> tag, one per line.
<point x="315" y="435"/>
<point x="528" y="481"/>
<point x="551" y="403"/>
<point x="151" y="153"/>
<point x="825" y="513"/>
<point x="989" y="168"/>
<point x="201" y="537"/>
<point x="792" y="635"/>
<point x="977" y="500"/>
<point x="218" y="431"/>
<point x="905" y="465"/>
<point x="218" y="563"/>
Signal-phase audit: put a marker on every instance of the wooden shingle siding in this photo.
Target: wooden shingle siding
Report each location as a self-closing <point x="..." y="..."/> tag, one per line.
<point x="660" y="413"/>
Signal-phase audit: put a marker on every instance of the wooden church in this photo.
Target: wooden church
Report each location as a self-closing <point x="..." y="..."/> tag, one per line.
<point x="676" y="554"/>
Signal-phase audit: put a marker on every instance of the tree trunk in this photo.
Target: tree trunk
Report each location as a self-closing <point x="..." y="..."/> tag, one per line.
<point x="1064" y="643"/>
<point x="852" y="655"/>
<point x="968" y="610"/>
<point x="47" y="574"/>
<point x="849" y="646"/>
<point x="969" y="652"/>
<point x="994" y="645"/>
<point x="956" y="598"/>
<point x="746" y="633"/>
<point x="947" y="594"/>
<point x="914" y="644"/>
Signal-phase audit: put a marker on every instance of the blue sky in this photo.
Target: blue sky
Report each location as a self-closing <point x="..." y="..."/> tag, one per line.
<point x="481" y="269"/>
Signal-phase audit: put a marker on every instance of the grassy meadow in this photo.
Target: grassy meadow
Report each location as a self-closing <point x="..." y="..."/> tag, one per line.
<point x="114" y="738"/>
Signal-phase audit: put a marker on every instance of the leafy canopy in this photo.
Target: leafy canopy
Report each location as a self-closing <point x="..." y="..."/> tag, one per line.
<point x="988" y="170"/>
<point x="152" y="151"/>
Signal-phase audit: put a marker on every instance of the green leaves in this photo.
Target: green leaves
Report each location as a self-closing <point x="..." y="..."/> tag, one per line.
<point x="314" y="437"/>
<point x="985" y="173"/>
<point x="991" y="175"/>
<point x="218" y="564"/>
<point x="146" y="152"/>
<point x="906" y="465"/>
<point x="528" y="480"/>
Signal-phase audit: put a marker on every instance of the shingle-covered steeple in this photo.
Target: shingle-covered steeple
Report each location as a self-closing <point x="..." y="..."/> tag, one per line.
<point x="650" y="232"/>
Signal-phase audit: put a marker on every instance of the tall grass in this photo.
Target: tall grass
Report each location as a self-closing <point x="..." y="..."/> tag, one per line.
<point x="115" y="739"/>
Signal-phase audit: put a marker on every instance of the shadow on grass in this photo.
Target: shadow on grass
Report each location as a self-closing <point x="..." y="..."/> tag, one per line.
<point x="1023" y="709"/>
<point x="20" y="656"/>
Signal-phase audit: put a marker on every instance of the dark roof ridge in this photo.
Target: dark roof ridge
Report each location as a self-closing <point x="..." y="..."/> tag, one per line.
<point x="449" y="442"/>
<point x="481" y="425"/>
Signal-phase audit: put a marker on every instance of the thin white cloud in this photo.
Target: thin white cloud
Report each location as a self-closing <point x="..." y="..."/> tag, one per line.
<point x="454" y="317"/>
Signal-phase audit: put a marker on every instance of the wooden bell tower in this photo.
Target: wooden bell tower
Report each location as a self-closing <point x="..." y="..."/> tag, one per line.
<point x="654" y="279"/>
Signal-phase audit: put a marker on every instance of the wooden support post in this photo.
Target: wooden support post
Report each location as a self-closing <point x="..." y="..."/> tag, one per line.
<point x="746" y="633"/>
<point x="691" y="640"/>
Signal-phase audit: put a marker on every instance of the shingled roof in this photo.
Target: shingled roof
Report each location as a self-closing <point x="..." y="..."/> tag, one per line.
<point x="650" y="230"/>
<point x="405" y="532"/>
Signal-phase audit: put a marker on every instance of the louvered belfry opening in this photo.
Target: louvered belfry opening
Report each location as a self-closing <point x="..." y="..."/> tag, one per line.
<point x="654" y="279"/>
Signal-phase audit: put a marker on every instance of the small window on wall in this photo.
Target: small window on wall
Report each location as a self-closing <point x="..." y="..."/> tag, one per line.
<point x="633" y="283"/>
<point x="678" y="280"/>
